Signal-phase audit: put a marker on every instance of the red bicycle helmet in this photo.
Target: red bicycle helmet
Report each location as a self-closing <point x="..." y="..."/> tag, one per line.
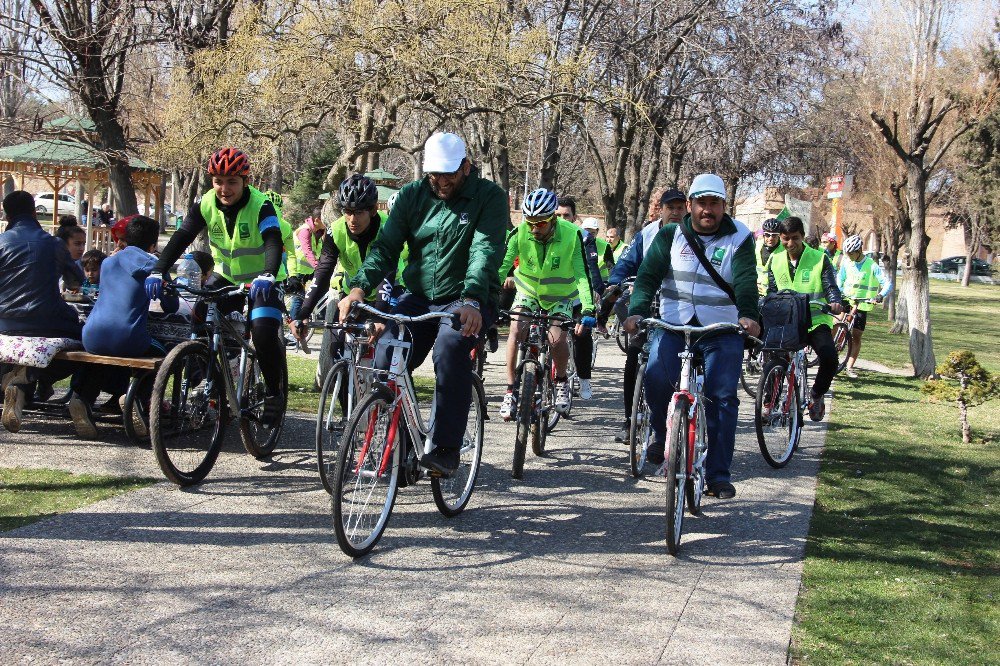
<point x="118" y="228"/>
<point x="229" y="162"/>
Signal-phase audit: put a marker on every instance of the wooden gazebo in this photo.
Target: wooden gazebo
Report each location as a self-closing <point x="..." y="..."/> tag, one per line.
<point x="60" y="162"/>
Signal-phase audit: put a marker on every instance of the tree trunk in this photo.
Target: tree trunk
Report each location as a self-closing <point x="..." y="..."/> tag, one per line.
<point x="277" y="172"/>
<point x="918" y="295"/>
<point x="963" y="417"/>
<point x="548" y="173"/>
<point x="893" y="273"/>
<point x="900" y="319"/>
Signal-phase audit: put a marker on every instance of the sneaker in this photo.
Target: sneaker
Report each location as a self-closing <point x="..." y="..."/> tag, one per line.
<point x="654" y="454"/>
<point x="442" y="461"/>
<point x="721" y="489"/>
<point x="562" y="397"/>
<point x="622" y="435"/>
<point x="83" y="420"/>
<point x="138" y="425"/>
<point x="273" y="405"/>
<point x="586" y="393"/>
<point x="817" y="409"/>
<point x="851" y="373"/>
<point x="14" y="398"/>
<point x="508" y="406"/>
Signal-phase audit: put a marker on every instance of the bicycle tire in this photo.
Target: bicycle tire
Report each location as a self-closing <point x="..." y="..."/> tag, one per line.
<point x="187" y="408"/>
<point x="452" y="494"/>
<point x="552" y="416"/>
<point x="370" y="423"/>
<point x="621" y="337"/>
<point x="539" y="424"/>
<point x="639" y="426"/>
<point x="753" y="363"/>
<point x="843" y="345"/>
<point x="695" y="485"/>
<point x="331" y="422"/>
<point x="777" y="436"/>
<point x="676" y="473"/>
<point x="259" y="440"/>
<point x="525" y="408"/>
<point x="133" y="409"/>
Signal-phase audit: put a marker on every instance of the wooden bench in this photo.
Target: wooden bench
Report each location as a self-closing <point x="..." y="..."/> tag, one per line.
<point x="148" y="364"/>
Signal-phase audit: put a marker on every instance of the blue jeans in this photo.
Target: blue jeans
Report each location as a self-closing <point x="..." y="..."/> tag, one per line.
<point x="723" y="355"/>
<point x="452" y="363"/>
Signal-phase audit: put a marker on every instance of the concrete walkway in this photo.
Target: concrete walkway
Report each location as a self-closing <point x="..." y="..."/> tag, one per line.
<point x="568" y="565"/>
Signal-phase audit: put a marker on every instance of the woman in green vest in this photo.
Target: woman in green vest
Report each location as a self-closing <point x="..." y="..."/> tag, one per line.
<point x="244" y="235"/>
<point x="861" y="280"/>
<point x="805" y="270"/>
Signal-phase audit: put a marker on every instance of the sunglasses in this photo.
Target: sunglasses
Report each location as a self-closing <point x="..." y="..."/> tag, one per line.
<point x="444" y="175"/>
<point x="538" y="223"/>
<point x="771" y="235"/>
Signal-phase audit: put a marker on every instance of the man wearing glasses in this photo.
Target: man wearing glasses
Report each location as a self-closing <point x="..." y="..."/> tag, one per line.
<point x="767" y="244"/>
<point x="550" y="276"/>
<point x="453" y="222"/>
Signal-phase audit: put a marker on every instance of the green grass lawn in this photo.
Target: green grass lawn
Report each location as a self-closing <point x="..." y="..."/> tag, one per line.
<point x="28" y="495"/>
<point x="303" y="396"/>
<point x="903" y="556"/>
<point x="961" y="318"/>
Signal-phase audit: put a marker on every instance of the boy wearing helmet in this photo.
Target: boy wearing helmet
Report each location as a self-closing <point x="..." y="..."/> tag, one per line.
<point x="861" y="280"/>
<point x="769" y="243"/>
<point x="244" y="235"/>
<point x="829" y="241"/>
<point x="550" y="276"/>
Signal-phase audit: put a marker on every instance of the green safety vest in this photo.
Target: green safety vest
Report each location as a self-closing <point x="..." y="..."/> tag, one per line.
<point x="618" y="251"/>
<point x="762" y="265"/>
<point x="238" y="258"/>
<point x="602" y="247"/>
<point x="545" y="270"/>
<point x="304" y="267"/>
<point x="808" y="280"/>
<point x="835" y="259"/>
<point x="349" y="254"/>
<point x="861" y="283"/>
<point x="289" y="262"/>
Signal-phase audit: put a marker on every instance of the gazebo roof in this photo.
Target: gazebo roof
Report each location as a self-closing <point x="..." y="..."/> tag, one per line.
<point x="72" y="124"/>
<point x="57" y="152"/>
<point x="381" y="174"/>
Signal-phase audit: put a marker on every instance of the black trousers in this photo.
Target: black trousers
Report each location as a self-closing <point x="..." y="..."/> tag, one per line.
<point x="821" y="340"/>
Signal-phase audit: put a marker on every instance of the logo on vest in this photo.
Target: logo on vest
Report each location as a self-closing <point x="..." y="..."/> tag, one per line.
<point x="215" y="230"/>
<point x="555" y="261"/>
<point x="463" y="218"/>
<point x="718" y="255"/>
<point x="244" y="230"/>
<point x="805" y="274"/>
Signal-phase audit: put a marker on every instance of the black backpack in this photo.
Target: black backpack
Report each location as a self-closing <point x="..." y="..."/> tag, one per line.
<point x="786" y="320"/>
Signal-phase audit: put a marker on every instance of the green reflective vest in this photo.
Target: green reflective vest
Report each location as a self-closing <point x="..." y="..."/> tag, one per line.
<point x="618" y="251"/>
<point x="762" y="265"/>
<point x="835" y="259"/>
<point x="808" y="280"/>
<point x="349" y="254"/>
<point x="304" y="267"/>
<point x="602" y="247"/>
<point x="240" y="257"/>
<point x="545" y="271"/>
<point x="289" y="262"/>
<point x="861" y="283"/>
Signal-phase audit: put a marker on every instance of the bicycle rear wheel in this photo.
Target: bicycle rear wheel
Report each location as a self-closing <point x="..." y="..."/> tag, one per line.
<point x="753" y="363"/>
<point x="676" y="474"/>
<point x="258" y="439"/>
<point x="331" y="421"/>
<point x="525" y="410"/>
<point x="778" y="431"/>
<point x="188" y="413"/>
<point x="639" y="426"/>
<point x="135" y="412"/>
<point x="452" y="494"/>
<point x="621" y="337"/>
<point x="364" y="489"/>
<point x="842" y="342"/>
<point x="539" y="424"/>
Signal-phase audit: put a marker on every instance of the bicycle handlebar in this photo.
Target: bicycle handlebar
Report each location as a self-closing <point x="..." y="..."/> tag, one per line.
<point x="561" y="320"/>
<point x="402" y="319"/>
<point x="696" y="330"/>
<point x="210" y="294"/>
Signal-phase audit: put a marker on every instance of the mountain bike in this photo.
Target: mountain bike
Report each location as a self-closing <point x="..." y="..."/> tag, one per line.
<point x="687" y="436"/>
<point x="535" y="385"/>
<point x="842" y="332"/>
<point x="781" y="401"/>
<point x="344" y="386"/>
<point x="205" y="382"/>
<point x="381" y="443"/>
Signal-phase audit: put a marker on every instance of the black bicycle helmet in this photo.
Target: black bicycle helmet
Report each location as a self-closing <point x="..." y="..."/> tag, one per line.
<point x="358" y="192"/>
<point x="771" y="226"/>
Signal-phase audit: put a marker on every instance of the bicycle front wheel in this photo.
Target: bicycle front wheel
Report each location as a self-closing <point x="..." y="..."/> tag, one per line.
<point x="639" y="426"/>
<point x="525" y="411"/>
<point x="676" y="474"/>
<point x="331" y="420"/>
<point x="777" y="417"/>
<point x="259" y="439"/>
<point x="842" y="342"/>
<point x="539" y="424"/>
<point x="364" y="489"/>
<point x="187" y="413"/>
<point x="695" y="486"/>
<point x="452" y="494"/>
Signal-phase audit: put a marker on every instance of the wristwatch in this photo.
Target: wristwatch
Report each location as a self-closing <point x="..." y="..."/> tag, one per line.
<point x="471" y="302"/>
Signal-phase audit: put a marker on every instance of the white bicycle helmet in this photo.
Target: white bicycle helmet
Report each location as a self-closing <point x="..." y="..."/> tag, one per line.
<point x="540" y="203"/>
<point x="392" y="201"/>
<point x="852" y="244"/>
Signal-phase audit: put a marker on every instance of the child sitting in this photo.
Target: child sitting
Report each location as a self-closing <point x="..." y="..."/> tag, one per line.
<point x="91" y="262"/>
<point x="117" y="324"/>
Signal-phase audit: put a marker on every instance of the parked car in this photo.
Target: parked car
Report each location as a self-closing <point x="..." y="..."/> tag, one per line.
<point x="44" y="206"/>
<point x="957" y="265"/>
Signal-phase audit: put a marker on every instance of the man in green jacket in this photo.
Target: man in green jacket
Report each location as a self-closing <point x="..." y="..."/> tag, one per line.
<point x="690" y="296"/>
<point x="453" y="222"/>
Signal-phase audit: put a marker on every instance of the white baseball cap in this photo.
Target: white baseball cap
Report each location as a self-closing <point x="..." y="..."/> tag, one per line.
<point x="707" y="185"/>
<point x="443" y="153"/>
<point x="590" y="223"/>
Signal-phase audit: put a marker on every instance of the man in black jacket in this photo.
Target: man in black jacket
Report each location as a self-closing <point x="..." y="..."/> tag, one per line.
<point x="31" y="263"/>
